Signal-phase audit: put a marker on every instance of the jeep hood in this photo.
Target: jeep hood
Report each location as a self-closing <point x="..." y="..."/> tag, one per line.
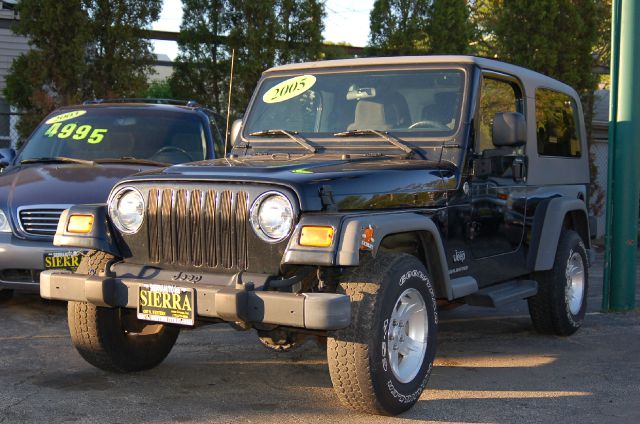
<point x="368" y="183"/>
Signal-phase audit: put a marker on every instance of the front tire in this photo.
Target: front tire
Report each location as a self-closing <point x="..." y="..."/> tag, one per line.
<point x="113" y="339"/>
<point x="381" y="363"/>
<point x="561" y="302"/>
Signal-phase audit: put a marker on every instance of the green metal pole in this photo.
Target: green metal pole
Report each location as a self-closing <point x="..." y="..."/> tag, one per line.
<point x="624" y="159"/>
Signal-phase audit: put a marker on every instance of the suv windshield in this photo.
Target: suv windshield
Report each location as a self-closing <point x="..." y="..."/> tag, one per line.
<point x="409" y="104"/>
<point x="118" y="132"/>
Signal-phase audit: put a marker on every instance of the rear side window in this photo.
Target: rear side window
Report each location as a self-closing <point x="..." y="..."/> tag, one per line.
<point x="557" y="124"/>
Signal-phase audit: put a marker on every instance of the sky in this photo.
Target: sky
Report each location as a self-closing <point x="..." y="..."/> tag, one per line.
<point x="346" y="21"/>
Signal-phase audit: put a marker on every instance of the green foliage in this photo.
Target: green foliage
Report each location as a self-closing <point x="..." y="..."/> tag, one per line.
<point x="201" y="68"/>
<point x="80" y="49"/>
<point x="43" y="79"/>
<point x="332" y="51"/>
<point x="119" y="58"/>
<point x="408" y="27"/>
<point x="554" y="37"/>
<point x="159" y="90"/>
<point x="449" y="28"/>
<point x="263" y="34"/>
<point x="398" y="27"/>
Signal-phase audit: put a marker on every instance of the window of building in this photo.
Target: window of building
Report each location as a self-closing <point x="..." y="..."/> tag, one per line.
<point x="557" y="124"/>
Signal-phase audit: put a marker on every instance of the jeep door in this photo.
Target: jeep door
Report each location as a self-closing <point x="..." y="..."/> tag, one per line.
<point x="498" y="196"/>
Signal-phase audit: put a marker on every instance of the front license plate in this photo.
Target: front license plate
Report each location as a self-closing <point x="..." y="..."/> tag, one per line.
<point x="62" y="260"/>
<point x="169" y="304"/>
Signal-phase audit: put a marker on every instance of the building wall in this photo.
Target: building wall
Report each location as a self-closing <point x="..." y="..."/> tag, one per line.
<point x="11" y="46"/>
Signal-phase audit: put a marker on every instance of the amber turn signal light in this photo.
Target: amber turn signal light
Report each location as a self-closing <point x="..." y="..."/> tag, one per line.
<point x="316" y="236"/>
<point x="80" y="224"/>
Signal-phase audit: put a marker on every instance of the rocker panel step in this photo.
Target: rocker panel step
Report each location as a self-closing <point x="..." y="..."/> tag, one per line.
<point x="503" y="293"/>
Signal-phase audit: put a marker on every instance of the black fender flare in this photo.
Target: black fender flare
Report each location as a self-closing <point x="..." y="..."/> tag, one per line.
<point x="101" y="236"/>
<point x="351" y="241"/>
<point x="546" y="229"/>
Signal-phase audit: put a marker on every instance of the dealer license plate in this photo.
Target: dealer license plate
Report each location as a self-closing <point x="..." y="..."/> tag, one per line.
<point x="62" y="260"/>
<point x="169" y="304"/>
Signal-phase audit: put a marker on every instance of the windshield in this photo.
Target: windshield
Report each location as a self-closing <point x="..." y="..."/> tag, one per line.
<point x="114" y="133"/>
<point x="408" y="104"/>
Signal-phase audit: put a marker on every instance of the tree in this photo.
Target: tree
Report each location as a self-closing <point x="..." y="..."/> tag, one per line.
<point x="51" y="73"/>
<point x="79" y="49"/>
<point x="300" y="25"/>
<point x="159" y="90"/>
<point x="262" y="34"/>
<point x="119" y="57"/>
<point x="202" y="65"/>
<point x="448" y="27"/>
<point x="398" y="27"/>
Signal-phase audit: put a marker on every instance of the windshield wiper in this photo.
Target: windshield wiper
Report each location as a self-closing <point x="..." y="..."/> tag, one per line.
<point x="384" y="135"/>
<point x="129" y="159"/>
<point x="293" y="135"/>
<point x="56" y="159"/>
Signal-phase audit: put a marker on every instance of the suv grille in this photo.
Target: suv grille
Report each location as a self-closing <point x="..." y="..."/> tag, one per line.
<point x="40" y="221"/>
<point x="198" y="228"/>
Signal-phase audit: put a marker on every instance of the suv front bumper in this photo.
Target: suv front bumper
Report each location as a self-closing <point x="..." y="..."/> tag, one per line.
<point x="314" y="311"/>
<point x="19" y="256"/>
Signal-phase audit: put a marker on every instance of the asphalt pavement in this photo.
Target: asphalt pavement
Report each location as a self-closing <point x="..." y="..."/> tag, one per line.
<point x="491" y="368"/>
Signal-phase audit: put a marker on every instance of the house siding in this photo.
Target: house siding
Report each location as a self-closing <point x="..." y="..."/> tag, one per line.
<point x="11" y="46"/>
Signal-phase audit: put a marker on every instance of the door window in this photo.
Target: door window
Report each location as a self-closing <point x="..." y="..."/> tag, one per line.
<point x="496" y="96"/>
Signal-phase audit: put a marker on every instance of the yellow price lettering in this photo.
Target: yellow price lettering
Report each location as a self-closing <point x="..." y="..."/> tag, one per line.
<point x="95" y="135"/>
<point x="53" y="129"/>
<point x="82" y="132"/>
<point x="67" y="130"/>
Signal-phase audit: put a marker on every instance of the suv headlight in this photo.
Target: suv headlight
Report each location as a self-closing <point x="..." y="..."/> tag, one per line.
<point x="4" y="223"/>
<point x="126" y="209"/>
<point x="272" y="216"/>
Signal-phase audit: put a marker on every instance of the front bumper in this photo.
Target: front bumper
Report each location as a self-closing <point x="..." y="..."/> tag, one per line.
<point x="23" y="257"/>
<point x="314" y="311"/>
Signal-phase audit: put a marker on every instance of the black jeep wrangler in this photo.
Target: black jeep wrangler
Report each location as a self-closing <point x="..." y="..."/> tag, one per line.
<point x="359" y="195"/>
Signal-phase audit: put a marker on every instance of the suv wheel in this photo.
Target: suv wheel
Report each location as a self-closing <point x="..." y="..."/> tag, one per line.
<point x="113" y="339"/>
<point x="561" y="302"/>
<point x="6" y="295"/>
<point x="382" y="362"/>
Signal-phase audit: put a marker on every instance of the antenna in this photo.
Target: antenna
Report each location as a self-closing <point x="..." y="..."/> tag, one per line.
<point x="226" y="134"/>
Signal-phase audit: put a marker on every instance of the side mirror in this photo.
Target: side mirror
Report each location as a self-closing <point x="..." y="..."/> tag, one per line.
<point x="235" y="132"/>
<point x="509" y="129"/>
<point x="6" y="157"/>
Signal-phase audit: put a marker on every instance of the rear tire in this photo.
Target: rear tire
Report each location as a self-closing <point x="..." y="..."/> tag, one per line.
<point x="113" y="339"/>
<point x="6" y="295"/>
<point x="561" y="302"/>
<point x="381" y="363"/>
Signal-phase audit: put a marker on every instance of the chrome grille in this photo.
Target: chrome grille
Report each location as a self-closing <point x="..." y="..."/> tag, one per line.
<point x="40" y="221"/>
<point x="198" y="228"/>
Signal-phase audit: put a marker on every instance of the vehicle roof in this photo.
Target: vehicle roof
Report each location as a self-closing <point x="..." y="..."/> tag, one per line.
<point x="132" y="105"/>
<point x="526" y="75"/>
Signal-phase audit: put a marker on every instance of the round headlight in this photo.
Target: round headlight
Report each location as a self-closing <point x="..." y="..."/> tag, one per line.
<point x="126" y="209"/>
<point x="272" y="217"/>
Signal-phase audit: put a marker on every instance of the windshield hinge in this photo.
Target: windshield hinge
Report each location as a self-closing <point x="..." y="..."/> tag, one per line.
<point x="326" y="197"/>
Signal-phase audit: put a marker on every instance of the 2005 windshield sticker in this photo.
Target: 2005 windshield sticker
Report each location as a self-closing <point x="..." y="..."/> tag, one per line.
<point x="288" y="89"/>
<point x="72" y="130"/>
